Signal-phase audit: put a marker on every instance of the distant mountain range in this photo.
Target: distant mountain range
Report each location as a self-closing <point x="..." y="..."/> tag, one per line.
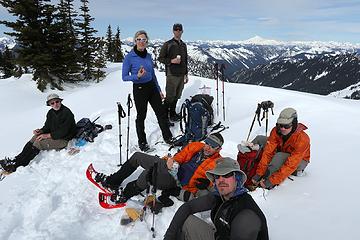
<point x="315" y="67"/>
<point x="4" y="41"/>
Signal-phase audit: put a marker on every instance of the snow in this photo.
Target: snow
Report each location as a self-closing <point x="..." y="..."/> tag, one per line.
<point x="52" y="199"/>
<point x="323" y="74"/>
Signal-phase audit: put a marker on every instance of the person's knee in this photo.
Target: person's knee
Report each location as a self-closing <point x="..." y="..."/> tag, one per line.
<point x="260" y="139"/>
<point x="38" y="145"/>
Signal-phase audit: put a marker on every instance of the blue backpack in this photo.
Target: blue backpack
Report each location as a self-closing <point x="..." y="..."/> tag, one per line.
<point x="197" y="115"/>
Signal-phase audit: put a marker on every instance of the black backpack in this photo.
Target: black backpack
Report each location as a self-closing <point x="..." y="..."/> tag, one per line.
<point x="197" y="115"/>
<point x="88" y="130"/>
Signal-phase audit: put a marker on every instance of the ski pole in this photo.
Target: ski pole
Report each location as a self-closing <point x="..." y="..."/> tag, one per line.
<point x="129" y="105"/>
<point x="154" y="189"/>
<point x="223" y="90"/>
<point x="121" y="114"/>
<point x="216" y="76"/>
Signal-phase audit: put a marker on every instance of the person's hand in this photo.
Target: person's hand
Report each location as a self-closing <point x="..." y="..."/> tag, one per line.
<point x="186" y="79"/>
<point x="43" y="136"/>
<point x="170" y="163"/>
<point x="162" y="95"/>
<point x="262" y="183"/>
<point x="202" y="183"/>
<point x="256" y="183"/>
<point x="37" y="132"/>
<point x="141" y="72"/>
<point x="175" y="60"/>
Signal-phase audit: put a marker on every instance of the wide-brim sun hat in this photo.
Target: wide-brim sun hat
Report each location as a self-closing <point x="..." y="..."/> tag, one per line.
<point x="52" y="96"/>
<point x="224" y="166"/>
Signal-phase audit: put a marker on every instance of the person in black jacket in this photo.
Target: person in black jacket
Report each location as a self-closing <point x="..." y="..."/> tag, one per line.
<point x="234" y="212"/>
<point x="59" y="128"/>
<point x="174" y="55"/>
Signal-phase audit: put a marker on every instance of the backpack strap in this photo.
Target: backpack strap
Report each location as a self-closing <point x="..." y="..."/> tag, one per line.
<point x="99" y="128"/>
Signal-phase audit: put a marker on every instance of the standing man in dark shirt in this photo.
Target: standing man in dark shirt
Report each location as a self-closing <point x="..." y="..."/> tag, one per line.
<point x="59" y="128"/>
<point x="174" y="55"/>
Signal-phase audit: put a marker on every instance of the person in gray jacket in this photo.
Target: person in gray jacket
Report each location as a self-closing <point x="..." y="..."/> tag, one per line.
<point x="58" y="129"/>
<point x="234" y="213"/>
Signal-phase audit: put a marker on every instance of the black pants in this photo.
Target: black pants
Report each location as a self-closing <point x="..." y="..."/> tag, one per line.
<point x="144" y="94"/>
<point x="146" y="161"/>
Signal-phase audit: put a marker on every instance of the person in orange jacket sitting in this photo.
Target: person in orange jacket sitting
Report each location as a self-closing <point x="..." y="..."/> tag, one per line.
<point x="182" y="175"/>
<point x="286" y="152"/>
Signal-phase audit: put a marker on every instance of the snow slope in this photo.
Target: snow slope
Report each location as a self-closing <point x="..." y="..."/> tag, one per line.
<point x="52" y="199"/>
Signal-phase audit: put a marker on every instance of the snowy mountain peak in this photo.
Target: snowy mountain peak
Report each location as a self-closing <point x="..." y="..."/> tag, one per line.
<point x="5" y="41"/>
<point x="257" y="40"/>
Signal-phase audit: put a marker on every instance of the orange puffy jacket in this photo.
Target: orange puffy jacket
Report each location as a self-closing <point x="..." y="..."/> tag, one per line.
<point x="298" y="146"/>
<point x="186" y="154"/>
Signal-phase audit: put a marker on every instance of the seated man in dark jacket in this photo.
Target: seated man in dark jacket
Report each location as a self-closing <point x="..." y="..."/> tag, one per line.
<point x="58" y="129"/>
<point x="234" y="213"/>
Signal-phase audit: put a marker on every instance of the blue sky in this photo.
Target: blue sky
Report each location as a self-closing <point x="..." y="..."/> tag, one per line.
<point x="323" y="20"/>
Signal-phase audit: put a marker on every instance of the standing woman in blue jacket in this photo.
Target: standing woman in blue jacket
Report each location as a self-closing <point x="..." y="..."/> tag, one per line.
<point x="138" y="68"/>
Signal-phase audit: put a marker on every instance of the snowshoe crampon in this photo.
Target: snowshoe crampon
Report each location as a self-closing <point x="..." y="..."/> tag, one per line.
<point x="105" y="201"/>
<point x="90" y="174"/>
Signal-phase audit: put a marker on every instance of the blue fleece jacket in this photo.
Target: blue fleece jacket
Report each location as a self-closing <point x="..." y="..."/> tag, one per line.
<point x="131" y="66"/>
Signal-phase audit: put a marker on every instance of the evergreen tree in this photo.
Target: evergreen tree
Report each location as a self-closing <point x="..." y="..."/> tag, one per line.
<point x="87" y="42"/>
<point x="118" y="54"/>
<point x="1" y="65"/>
<point x="8" y="66"/>
<point x="100" y="60"/>
<point x="109" y="44"/>
<point x="30" y="30"/>
<point x="66" y="55"/>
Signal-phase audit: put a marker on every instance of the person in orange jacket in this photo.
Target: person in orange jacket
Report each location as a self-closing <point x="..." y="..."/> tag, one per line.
<point x="286" y="152"/>
<point x="183" y="174"/>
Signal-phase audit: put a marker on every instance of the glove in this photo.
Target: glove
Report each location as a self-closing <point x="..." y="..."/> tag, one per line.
<point x="202" y="183"/>
<point x="171" y="192"/>
<point x="165" y="200"/>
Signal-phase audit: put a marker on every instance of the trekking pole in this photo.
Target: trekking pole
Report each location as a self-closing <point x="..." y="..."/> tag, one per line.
<point x="154" y="189"/>
<point x="223" y="94"/>
<point x="129" y="105"/>
<point x="121" y="114"/>
<point x="216" y="76"/>
<point x="257" y="113"/>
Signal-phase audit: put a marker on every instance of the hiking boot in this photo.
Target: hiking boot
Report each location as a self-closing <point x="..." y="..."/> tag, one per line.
<point x="169" y="141"/>
<point x="144" y="147"/>
<point x="298" y="173"/>
<point x="170" y="124"/>
<point x="118" y="198"/>
<point x="101" y="178"/>
<point x="175" y="117"/>
<point x="8" y="165"/>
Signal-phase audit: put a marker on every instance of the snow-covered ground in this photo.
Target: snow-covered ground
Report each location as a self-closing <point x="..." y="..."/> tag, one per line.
<point x="52" y="199"/>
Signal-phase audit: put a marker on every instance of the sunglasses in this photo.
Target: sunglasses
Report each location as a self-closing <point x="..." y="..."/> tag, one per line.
<point x="177" y="29"/>
<point x="143" y="40"/>
<point x="286" y="126"/>
<point x="230" y="174"/>
<point x="53" y="102"/>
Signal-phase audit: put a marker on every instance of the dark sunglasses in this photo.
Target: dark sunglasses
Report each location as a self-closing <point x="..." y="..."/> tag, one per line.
<point x="230" y="174"/>
<point x="143" y="40"/>
<point x="177" y="29"/>
<point x="286" y="126"/>
<point x="53" y="102"/>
